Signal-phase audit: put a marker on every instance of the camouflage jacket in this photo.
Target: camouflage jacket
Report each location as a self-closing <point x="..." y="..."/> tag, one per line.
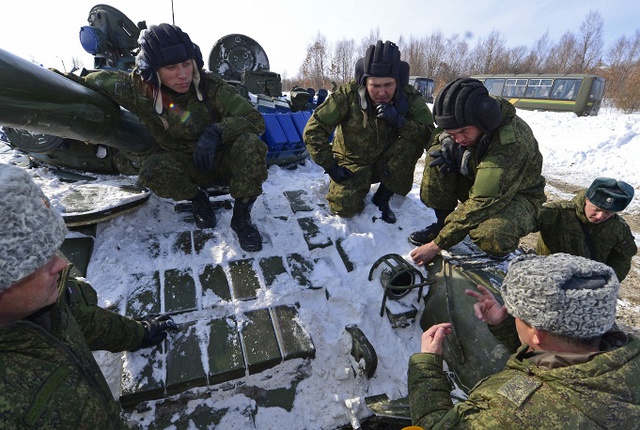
<point x="48" y="376"/>
<point x="184" y="117"/>
<point x="561" y="227"/>
<point x="601" y="393"/>
<point x="505" y="164"/>
<point x="360" y="137"/>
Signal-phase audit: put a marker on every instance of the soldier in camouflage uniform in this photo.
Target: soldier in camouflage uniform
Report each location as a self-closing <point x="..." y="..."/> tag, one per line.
<point x="50" y="323"/>
<point x="487" y="158"/>
<point x="381" y="128"/>
<point x="589" y="225"/>
<point x="206" y="131"/>
<point x="572" y="368"/>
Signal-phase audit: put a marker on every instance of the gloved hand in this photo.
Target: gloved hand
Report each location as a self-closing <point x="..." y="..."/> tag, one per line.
<point x="206" y="147"/>
<point x="390" y="114"/>
<point x="451" y="157"/>
<point x="339" y="173"/>
<point x="155" y="330"/>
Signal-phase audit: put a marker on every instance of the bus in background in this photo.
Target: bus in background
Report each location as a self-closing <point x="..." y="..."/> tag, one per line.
<point x="423" y="85"/>
<point x="578" y="93"/>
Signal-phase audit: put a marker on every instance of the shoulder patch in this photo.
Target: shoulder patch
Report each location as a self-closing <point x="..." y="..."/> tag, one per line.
<point x="507" y="135"/>
<point x="519" y="388"/>
<point x="329" y="113"/>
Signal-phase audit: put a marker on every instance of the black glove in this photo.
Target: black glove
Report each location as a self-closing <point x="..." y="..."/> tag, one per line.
<point x="451" y="157"/>
<point x="390" y="114"/>
<point x="206" y="148"/>
<point x="155" y="330"/>
<point x="339" y="173"/>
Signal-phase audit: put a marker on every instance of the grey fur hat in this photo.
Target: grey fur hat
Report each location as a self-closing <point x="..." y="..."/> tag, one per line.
<point x="562" y="294"/>
<point x="31" y="230"/>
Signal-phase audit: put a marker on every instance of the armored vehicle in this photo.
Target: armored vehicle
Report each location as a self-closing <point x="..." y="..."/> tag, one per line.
<point x="76" y="136"/>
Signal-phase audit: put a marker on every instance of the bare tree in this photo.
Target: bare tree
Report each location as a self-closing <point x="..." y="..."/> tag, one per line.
<point x="435" y="50"/>
<point x="372" y="39"/>
<point x="538" y="54"/>
<point x="623" y="73"/>
<point x="488" y="55"/>
<point x="414" y="54"/>
<point x="590" y="42"/>
<point x="343" y="62"/>
<point x="455" y="63"/>
<point x="562" y="57"/>
<point x="313" y="71"/>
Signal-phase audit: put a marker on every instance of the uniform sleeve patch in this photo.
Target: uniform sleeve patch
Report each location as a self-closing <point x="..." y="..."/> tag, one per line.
<point x="487" y="183"/>
<point x="507" y="135"/>
<point x="329" y="113"/>
<point x="519" y="388"/>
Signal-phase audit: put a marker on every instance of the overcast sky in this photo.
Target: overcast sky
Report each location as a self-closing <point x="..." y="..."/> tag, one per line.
<point x="47" y="30"/>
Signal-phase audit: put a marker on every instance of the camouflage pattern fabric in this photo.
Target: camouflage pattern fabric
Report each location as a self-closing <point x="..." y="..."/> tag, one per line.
<point x="502" y="193"/>
<point x="48" y="376"/>
<point x="180" y="126"/>
<point x="560" y="224"/>
<point x="373" y="150"/>
<point x="599" y="393"/>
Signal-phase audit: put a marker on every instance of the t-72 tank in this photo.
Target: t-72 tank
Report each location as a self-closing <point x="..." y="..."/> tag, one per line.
<point x="59" y="122"/>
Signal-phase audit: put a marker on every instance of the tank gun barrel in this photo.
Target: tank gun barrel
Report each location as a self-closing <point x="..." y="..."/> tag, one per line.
<point x="38" y="100"/>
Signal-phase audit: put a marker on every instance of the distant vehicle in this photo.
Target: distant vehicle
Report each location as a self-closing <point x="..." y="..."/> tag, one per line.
<point x="578" y="93"/>
<point x="423" y="85"/>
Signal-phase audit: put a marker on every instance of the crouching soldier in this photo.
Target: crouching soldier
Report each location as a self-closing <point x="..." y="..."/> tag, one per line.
<point x="50" y="323"/>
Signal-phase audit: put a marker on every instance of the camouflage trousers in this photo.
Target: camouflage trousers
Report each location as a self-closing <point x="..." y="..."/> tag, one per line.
<point x="497" y="235"/>
<point x="242" y="164"/>
<point x="393" y="168"/>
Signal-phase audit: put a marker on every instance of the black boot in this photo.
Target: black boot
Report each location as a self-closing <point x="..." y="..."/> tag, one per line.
<point x="203" y="213"/>
<point x="420" y="237"/>
<point x="248" y="236"/>
<point x="381" y="199"/>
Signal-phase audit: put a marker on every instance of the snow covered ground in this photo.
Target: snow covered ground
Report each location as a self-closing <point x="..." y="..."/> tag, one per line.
<point x="576" y="150"/>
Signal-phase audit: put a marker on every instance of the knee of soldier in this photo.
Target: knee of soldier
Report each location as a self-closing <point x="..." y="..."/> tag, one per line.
<point x="250" y="146"/>
<point x="166" y="178"/>
<point x="345" y="206"/>
<point x="343" y="212"/>
<point x="495" y="243"/>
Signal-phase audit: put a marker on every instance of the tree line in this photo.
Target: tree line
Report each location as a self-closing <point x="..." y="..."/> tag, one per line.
<point x="446" y="58"/>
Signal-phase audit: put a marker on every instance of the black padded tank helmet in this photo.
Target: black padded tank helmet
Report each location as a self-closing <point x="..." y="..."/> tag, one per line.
<point x="464" y="102"/>
<point x="382" y="60"/>
<point x="162" y="45"/>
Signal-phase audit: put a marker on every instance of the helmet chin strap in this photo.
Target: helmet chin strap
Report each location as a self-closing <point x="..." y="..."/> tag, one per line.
<point x="196" y="79"/>
<point x="157" y="96"/>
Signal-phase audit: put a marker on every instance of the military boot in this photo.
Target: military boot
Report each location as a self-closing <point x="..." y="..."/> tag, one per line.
<point x="381" y="199"/>
<point x="248" y="236"/>
<point x="203" y="213"/>
<point x="420" y="237"/>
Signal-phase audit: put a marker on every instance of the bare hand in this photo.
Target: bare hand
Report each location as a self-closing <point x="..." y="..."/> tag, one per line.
<point x="487" y="309"/>
<point x="425" y="253"/>
<point x="434" y="336"/>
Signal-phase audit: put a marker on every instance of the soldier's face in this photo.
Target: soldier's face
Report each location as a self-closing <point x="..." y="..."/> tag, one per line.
<point x="596" y="215"/>
<point x="381" y="90"/>
<point x="177" y="76"/>
<point x="34" y="292"/>
<point x="466" y="136"/>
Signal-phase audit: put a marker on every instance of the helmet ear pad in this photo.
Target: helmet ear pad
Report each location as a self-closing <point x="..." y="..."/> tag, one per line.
<point x="464" y="102"/>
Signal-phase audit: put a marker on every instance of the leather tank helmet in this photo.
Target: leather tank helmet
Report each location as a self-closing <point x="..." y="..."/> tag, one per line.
<point x="381" y="60"/>
<point x="464" y="102"/>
